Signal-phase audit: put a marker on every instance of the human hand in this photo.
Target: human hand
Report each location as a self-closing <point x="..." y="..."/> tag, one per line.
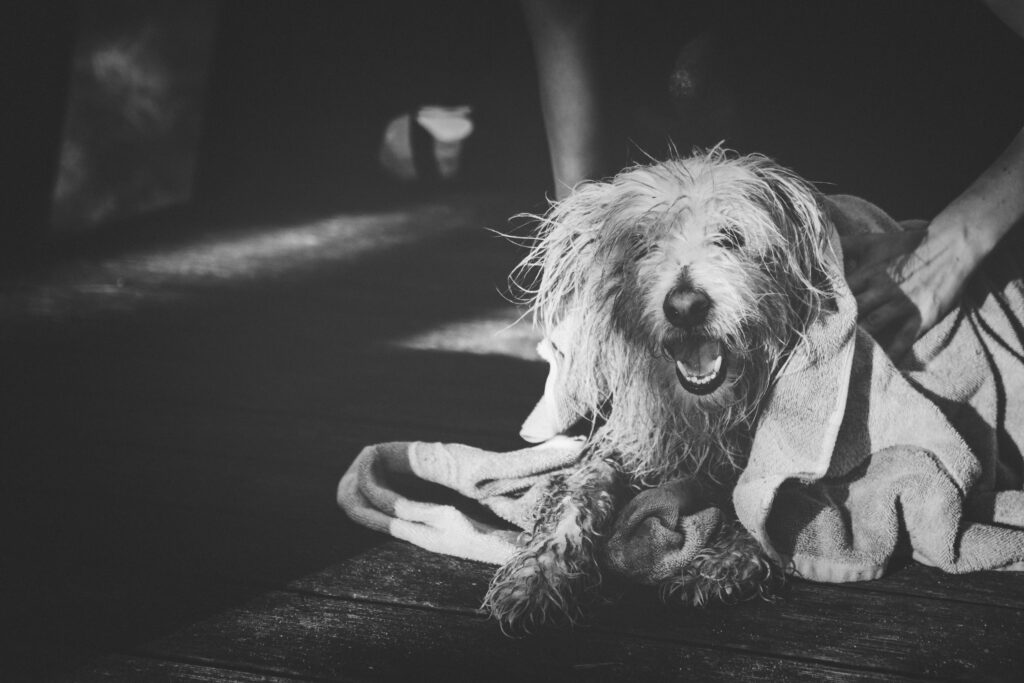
<point x="906" y="282"/>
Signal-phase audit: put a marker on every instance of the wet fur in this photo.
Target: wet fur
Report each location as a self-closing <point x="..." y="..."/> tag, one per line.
<point x="752" y="236"/>
<point x="549" y="578"/>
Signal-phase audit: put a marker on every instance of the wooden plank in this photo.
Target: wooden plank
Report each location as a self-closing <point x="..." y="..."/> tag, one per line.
<point x="65" y="620"/>
<point x="999" y="589"/>
<point x="128" y="668"/>
<point x="399" y="257"/>
<point x="406" y="391"/>
<point x="296" y="634"/>
<point x="223" y="459"/>
<point x="114" y="544"/>
<point x="410" y="568"/>
<point x="399" y="573"/>
<point x="821" y="623"/>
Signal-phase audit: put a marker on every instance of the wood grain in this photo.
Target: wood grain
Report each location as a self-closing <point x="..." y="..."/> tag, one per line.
<point x="894" y="632"/>
<point x="296" y="634"/>
<point x="128" y="668"/>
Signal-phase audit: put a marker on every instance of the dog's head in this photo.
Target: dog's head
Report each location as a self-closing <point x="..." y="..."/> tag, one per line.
<point x="684" y="283"/>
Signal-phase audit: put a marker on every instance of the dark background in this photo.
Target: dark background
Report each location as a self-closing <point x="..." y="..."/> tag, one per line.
<point x="903" y="103"/>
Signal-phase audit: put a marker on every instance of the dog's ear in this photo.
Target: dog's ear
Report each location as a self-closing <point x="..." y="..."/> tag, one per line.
<point x="581" y="240"/>
<point x="572" y="266"/>
<point x="811" y="254"/>
<point x="566" y="239"/>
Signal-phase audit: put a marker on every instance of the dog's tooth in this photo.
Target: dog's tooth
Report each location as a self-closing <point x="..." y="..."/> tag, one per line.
<point x="704" y="378"/>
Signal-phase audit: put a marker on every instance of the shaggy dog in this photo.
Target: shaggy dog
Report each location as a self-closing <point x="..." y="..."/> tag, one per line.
<point x="678" y="290"/>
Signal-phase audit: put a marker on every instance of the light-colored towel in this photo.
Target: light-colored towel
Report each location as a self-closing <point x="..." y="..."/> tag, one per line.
<point x="509" y="484"/>
<point x="854" y="460"/>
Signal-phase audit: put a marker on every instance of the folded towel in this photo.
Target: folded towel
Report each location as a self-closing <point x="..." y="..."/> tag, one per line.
<point x="508" y="484"/>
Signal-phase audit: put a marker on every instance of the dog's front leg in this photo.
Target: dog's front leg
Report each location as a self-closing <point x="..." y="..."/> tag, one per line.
<point x="731" y="568"/>
<point x="546" y="580"/>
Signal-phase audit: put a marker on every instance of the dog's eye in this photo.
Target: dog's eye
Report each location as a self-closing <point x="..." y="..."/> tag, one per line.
<point x="729" y="238"/>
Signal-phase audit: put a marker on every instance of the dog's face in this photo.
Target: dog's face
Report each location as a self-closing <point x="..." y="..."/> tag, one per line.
<point x="686" y="283"/>
<point x="710" y="286"/>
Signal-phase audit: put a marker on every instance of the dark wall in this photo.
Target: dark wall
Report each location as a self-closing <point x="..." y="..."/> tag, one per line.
<point x="902" y="102"/>
<point x="35" y="56"/>
<point x="302" y="92"/>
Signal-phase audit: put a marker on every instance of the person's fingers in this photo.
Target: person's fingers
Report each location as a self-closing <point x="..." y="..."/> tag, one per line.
<point x="867" y="249"/>
<point x="868" y="278"/>
<point x="904" y="339"/>
<point x="871" y="297"/>
<point x="860" y="279"/>
<point x="889" y="313"/>
<point x="855" y="244"/>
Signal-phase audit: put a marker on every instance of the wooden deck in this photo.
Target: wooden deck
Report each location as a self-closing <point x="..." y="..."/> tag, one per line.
<point x="176" y="420"/>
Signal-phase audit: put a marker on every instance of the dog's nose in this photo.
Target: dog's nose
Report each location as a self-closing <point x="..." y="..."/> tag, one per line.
<point x="686" y="307"/>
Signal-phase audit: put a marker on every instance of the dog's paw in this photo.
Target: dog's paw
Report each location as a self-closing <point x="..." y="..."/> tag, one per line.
<point x="538" y="588"/>
<point x="556" y="569"/>
<point x="733" y="568"/>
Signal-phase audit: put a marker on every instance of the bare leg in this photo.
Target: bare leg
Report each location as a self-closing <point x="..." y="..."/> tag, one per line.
<point x="565" y="47"/>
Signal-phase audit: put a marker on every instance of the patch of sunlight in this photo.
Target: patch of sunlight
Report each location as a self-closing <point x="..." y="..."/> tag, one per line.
<point x="128" y="281"/>
<point x="496" y="332"/>
<point x="339" y="239"/>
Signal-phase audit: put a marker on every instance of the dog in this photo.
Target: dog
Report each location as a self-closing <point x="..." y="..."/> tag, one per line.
<point x="676" y="289"/>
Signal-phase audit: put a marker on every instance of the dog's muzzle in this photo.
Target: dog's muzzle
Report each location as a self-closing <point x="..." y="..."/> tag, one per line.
<point x="701" y="362"/>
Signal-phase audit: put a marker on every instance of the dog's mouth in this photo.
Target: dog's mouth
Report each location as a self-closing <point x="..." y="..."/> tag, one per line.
<point x="701" y="365"/>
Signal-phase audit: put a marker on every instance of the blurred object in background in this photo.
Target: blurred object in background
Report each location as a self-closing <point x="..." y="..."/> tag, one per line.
<point x="427" y="144"/>
<point x="302" y="92"/>
<point x="245" y="109"/>
<point x="132" y="131"/>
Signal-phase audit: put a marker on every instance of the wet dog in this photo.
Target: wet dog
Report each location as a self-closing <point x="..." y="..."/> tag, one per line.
<point x="675" y="291"/>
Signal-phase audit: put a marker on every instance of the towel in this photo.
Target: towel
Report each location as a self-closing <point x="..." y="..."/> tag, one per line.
<point x="854" y="460"/>
<point x="509" y="485"/>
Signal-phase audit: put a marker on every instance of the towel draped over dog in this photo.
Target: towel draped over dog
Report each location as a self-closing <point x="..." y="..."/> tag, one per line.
<point x="854" y="461"/>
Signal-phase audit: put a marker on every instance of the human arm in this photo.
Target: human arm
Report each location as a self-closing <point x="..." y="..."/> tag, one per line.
<point x="901" y="295"/>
